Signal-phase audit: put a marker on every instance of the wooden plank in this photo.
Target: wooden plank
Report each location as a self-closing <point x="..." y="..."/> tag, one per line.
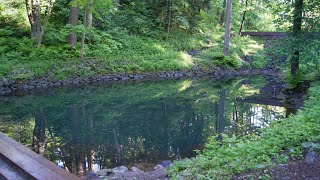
<point x="8" y="171"/>
<point x="277" y="34"/>
<point x="30" y="162"/>
<point x="38" y="158"/>
<point x="273" y="34"/>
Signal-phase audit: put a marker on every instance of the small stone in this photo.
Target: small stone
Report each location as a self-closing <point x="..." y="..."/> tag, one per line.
<point x="311" y="157"/>
<point x="45" y="86"/>
<point x="1" y="83"/>
<point x="135" y="169"/>
<point x="6" y="84"/>
<point x="8" y="91"/>
<point x="86" y="80"/>
<point x="91" y="175"/>
<point x="120" y="169"/>
<point x="283" y="165"/>
<point x="165" y="163"/>
<point x="158" y="166"/>
<point x="25" y="87"/>
<point x="104" y="172"/>
<point x="57" y="84"/>
<point x="5" y="80"/>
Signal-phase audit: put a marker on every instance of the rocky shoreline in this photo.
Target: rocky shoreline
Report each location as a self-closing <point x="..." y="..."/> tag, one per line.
<point x="122" y="172"/>
<point x="9" y="87"/>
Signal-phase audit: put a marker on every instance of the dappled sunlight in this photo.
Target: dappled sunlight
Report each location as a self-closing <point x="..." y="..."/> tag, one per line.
<point x="184" y="85"/>
<point x="255" y="46"/>
<point x="159" y="47"/>
<point x="248" y="90"/>
<point x="213" y="97"/>
<point x="185" y="59"/>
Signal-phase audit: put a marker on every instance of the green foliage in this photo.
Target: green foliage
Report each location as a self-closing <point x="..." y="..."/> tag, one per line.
<point x="293" y="81"/>
<point x="260" y="60"/>
<point x="240" y="47"/>
<point x="283" y="140"/>
<point x="217" y="58"/>
<point x="133" y="36"/>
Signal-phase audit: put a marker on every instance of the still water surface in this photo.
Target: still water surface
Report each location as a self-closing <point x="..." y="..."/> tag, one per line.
<point x="139" y="124"/>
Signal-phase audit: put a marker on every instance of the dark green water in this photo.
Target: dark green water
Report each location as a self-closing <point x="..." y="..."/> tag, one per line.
<point x="139" y="123"/>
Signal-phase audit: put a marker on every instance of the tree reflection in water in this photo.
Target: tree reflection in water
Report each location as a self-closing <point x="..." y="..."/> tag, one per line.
<point x="88" y="128"/>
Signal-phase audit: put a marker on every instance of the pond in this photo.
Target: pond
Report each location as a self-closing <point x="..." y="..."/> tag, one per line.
<point x="140" y="124"/>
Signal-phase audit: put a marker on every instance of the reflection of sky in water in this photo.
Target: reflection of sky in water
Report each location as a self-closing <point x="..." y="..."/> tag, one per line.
<point x="134" y="124"/>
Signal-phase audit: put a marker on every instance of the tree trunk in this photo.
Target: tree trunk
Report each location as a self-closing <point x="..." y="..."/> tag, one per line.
<point x="219" y="112"/>
<point x="89" y="25"/>
<point x="39" y="134"/>
<point x="45" y="23"/>
<point x="226" y="46"/>
<point x="297" y="21"/>
<point x="91" y="146"/>
<point x="243" y="17"/>
<point x="223" y="12"/>
<point x="83" y="37"/>
<point x="77" y="138"/>
<point x="34" y="15"/>
<point x="118" y="146"/>
<point x="73" y="20"/>
<point x="169" y="15"/>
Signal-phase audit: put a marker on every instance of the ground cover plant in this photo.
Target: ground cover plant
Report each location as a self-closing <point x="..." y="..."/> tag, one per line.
<point x="285" y="140"/>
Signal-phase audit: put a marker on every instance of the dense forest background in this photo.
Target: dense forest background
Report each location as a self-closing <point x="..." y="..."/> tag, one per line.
<point x="62" y="38"/>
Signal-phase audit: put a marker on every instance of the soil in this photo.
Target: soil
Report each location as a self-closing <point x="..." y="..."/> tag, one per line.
<point x="294" y="170"/>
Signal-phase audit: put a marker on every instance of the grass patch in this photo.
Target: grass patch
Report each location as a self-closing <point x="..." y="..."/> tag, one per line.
<point x="239" y="47"/>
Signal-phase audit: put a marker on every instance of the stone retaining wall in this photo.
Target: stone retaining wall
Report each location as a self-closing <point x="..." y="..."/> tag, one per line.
<point x="10" y="87"/>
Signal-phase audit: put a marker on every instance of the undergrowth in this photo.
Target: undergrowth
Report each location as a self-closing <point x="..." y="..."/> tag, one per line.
<point x="117" y="51"/>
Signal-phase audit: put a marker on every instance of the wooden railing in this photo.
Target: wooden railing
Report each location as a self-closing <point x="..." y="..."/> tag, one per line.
<point x="19" y="162"/>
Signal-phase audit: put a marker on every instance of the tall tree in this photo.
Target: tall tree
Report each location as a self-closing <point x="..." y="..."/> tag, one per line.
<point x="48" y="13"/>
<point x="243" y="17"/>
<point x="34" y="15"/>
<point x="297" y="21"/>
<point x="226" y="46"/>
<point x="223" y="12"/>
<point x="89" y="22"/>
<point x="83" y="37"/>
<point x="73" y="20"/>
